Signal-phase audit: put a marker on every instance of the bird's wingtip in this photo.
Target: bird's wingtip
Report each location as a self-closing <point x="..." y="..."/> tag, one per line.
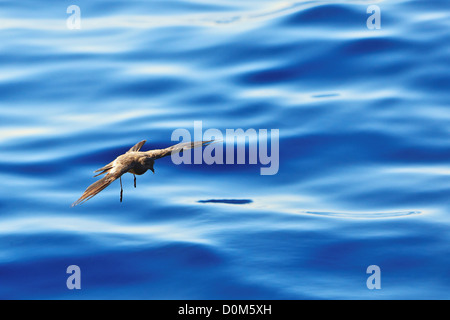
<point x="208" y="142"/>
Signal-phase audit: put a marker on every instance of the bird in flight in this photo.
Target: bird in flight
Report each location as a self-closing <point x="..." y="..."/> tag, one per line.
<point x="135" y="162"/>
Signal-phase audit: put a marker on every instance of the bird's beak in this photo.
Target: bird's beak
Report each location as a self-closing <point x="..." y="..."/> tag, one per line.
<point x="153" y="170"/>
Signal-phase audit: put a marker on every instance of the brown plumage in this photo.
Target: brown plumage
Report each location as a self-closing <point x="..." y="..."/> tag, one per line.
<point x="135" y="162"/>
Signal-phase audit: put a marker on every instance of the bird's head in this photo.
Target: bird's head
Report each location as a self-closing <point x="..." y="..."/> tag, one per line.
<point x="149" y="164"/>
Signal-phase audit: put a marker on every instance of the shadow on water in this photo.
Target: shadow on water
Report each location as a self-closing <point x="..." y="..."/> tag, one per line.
<point x="227" y="201"/>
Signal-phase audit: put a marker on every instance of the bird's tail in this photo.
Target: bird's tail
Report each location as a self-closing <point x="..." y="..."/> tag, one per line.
<point x="104" y="169"/>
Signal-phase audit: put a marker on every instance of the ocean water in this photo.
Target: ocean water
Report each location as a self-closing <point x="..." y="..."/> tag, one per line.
<point x="364" y="149"/>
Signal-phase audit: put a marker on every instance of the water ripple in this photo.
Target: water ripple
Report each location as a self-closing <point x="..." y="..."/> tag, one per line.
<point x="363" y="215"/>
<point x="272" y="11"/>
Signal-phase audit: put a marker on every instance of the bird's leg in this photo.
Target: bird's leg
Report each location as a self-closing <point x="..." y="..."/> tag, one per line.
<point x="121" y="189"/>
<point x="134" y="180"/>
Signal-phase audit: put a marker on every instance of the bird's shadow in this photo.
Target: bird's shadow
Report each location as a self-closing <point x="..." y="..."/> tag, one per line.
<point x="227" y="201"/>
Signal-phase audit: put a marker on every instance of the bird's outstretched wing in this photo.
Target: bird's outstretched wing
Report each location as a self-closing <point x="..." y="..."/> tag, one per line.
<point x="96" y="187"/>
<point x="137" y="146"/>
<point x="159" y="153"/>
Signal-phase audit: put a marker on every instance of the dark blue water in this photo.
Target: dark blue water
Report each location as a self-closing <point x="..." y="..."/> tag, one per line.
<point x="364" y="175"/>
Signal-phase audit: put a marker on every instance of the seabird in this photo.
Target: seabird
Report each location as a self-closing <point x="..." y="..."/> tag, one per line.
<point x="135" y="162"/>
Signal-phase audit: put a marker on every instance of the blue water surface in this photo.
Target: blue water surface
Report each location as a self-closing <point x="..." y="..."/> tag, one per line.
<point x="364" y="149"/>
